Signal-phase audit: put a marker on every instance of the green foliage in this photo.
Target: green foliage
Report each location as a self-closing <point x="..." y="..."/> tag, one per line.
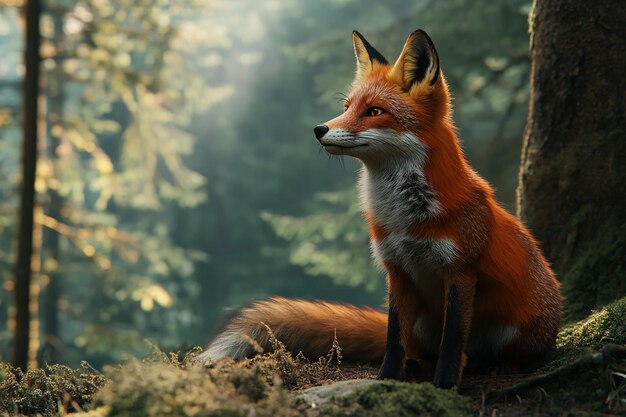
<point x="331" y="242"/>
<point x="121" y="93"/>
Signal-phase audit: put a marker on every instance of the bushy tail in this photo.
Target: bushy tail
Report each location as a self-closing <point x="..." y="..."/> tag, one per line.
<point x="302" y="326"/>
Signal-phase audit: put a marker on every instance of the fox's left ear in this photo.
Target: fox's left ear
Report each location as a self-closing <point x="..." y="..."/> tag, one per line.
<point x="418" y="63"/>
<point x="366" y="56"/>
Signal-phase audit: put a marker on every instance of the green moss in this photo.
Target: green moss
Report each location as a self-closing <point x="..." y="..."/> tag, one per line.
<point x="260" y="386"/>
<point x="156" y="388"/>
<point x="584" y="390"/>
<point x="399" y="399"/>
<point x="165" y="385"/>
<point x="584" y="233"/>
<point x="47" y="391"/>
<point x="606" y="325"/>
<point x="597" y="277"/>
<point x="265" y="385"/>
<point x="594" y="388"/>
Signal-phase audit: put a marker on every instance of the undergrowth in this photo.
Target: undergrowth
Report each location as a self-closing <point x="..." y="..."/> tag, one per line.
<point x="166" y="385"/>
<point x="267" y="384"/>
<point x="49" y="391"/>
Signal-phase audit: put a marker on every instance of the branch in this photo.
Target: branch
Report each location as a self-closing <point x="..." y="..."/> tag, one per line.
<point x="606" y="355"/>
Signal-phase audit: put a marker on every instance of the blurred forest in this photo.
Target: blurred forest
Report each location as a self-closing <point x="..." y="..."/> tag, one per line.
<point x="178" y="175"/>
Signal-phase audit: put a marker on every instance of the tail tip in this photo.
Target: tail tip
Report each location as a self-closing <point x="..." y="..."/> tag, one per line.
<point x="227" y="345"/>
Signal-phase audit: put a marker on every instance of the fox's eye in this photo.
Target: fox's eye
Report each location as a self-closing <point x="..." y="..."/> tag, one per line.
<point x="375" y="111"/>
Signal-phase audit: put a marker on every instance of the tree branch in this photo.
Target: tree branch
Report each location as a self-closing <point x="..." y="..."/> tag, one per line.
<point x="606" y="355"/>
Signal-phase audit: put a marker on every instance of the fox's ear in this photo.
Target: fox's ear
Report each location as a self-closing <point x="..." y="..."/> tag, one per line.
<point x="418" y="63"/>
<point x="366" y="55"/>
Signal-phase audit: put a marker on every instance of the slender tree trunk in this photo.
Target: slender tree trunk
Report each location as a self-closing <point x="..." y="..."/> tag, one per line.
<point x="27" y="203"/>
<point x="572" y="183"/>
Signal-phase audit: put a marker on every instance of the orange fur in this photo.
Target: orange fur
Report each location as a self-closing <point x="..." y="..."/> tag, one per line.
<point x="499" y="270"/>
<point x="376" y="232"/>
<point x="466" y="278"/>
<point x="304" y="326"/>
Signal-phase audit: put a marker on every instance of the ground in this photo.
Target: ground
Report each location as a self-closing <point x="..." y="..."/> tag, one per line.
<point x="573" y="380"/>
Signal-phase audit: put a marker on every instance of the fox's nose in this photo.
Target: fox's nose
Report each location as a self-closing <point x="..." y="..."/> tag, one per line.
<point x="320" y="131"/>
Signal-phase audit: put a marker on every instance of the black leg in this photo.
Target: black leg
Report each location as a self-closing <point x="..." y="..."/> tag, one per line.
<point x="394" y="353"/>
<point x="452" y="342"/>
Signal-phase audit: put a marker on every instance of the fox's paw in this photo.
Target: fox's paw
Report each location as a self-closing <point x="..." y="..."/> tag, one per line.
<point x="445" y="380"/>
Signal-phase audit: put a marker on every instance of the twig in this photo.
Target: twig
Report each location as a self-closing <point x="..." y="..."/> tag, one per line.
<point x="604" y="356"/>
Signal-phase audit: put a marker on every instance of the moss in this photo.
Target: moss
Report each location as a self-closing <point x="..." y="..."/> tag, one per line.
<point x="595" y="388"/>
<point x="597" y="277"/>
<point x="265" y="385"/>
<point x="584" y="232"/>
<point x="259" y="386"/>
<point x="157" y="388"/>
<point x="163" y="384"/>
<point x="47" y="391"/>
<point x="606" y="325"/>
<point x="399" y="399"/>
<point x="584" y="391"/>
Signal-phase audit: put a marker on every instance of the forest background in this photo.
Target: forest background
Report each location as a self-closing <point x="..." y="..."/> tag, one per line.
<point x="179" y="177"/>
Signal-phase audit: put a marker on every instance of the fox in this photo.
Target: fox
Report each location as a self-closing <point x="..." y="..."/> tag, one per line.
<point x="467" y="283"/>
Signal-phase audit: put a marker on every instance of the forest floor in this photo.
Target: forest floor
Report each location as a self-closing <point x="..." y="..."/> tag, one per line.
<point x="584" y="375"/>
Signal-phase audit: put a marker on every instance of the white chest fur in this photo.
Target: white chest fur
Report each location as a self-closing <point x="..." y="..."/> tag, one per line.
<point x="399" y="200"/>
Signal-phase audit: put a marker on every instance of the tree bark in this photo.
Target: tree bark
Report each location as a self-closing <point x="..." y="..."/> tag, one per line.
<point x="27" y="202"/>
<point x="572" y="181"/>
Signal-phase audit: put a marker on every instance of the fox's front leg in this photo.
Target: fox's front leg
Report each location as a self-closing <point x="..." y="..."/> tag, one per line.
<point x="394" y="352"/>
<point x="403" y="311"/>
<point x="459" y="304"/>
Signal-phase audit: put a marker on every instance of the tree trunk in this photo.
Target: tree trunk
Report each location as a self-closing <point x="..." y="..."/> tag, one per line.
<point x="27" y="202"/>
<point x="572" y="183"/>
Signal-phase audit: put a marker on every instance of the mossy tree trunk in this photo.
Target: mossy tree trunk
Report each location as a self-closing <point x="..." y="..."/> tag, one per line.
<point x="572" y="184"/>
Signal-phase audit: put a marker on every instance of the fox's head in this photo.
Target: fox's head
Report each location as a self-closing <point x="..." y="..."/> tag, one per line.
<point x="393" y="111"/>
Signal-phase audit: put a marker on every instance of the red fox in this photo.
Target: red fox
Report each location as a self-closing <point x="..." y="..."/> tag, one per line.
<point x="466" y="280"/>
